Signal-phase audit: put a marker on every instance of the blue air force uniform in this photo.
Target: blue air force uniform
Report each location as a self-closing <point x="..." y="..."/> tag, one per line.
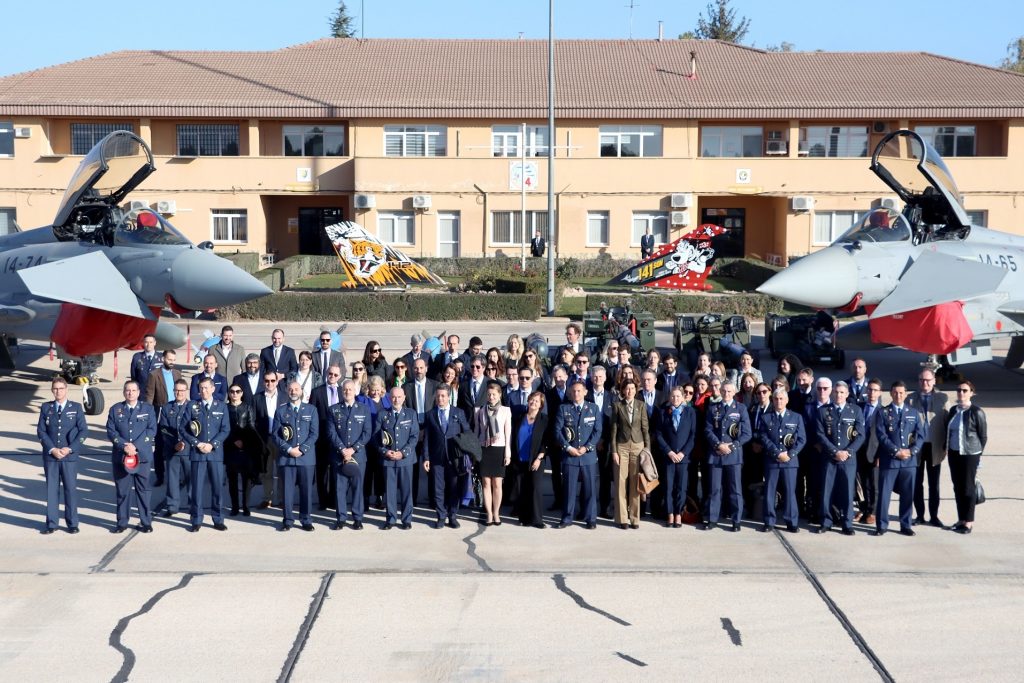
<point x="214" y="425"/>
<point x="349" y="427"/>
<point x="303" y="424"/>
<point x="585" y="422"/>
<point x="61" y="427"/>
<point x="726" y="424"/>
<point x="897" y="429"/>
<point x="171" y="428"/>
<point x="132" y="425"/>
<point x="781" y="433"/>
<point x="674" y="431"/>
<point x="403" y="432"/>
<point x="839" y="429"/>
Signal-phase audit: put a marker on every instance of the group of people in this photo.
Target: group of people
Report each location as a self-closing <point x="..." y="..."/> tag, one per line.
<point x="486" y="427"/>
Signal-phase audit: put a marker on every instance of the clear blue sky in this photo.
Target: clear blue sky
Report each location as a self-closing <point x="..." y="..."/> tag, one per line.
<point x="41" y="34"/>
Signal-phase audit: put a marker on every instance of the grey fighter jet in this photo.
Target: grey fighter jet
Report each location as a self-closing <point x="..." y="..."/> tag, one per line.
<point x="97" y="279"/>
<point x="929" y="280"/>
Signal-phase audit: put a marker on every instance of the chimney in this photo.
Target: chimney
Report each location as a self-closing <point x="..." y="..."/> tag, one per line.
<point x="661" y="30"/>
<point x="693" y="65"/>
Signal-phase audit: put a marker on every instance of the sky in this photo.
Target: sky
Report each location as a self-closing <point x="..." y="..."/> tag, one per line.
<point x="35" y="37"/>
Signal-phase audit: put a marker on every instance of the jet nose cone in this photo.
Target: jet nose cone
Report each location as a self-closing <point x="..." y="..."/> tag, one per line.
<point x="203" y="280"/>
<point x="827" y="279"/>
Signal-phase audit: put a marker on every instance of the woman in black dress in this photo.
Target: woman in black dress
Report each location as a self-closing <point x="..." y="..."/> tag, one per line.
<point x="242" y="450"/>
<point x="493" y="425"/>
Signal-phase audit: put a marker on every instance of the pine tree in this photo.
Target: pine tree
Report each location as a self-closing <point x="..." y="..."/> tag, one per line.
<point x="341" y="22"/>
<point x="721" y="24"/>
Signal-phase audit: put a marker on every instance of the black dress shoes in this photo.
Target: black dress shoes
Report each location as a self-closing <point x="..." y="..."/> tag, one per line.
<point x="438" y="524"/>
<point x="245" y="512"/>
<point x="764" y="528"/>
<point x="405" y="526"/>
<point x="849" y="531"/>
<point x="145" y="528"/>
<point x="47" y="531"/>
<point x="591" y="525"/>
<point x="454" y="523"/>
<point x="308" y="527"/>
<point x="74" y="530"/>
<point x="736" y="527"/>
<point x="963" y="529"/>
<point x="540" y="525"/>
<point x="908" y="532"/>
<point x="917" y="521"/>
<point x="704" y="526"/>
<point x="623" y="526"/>
<point x="168" y="514"/>
<point x="357" y="525"/>
<point x="822" y="530"/>
<point x="337" y="526"/>
<point x="234" y="512"/>
<point x="937" y="522"/>
<point x="118" y="529"/>
<point x="558" y="525"/>
<point x="388" y="526"/>
<point x="793" y="529"/>
<point x="880" y="532"/>
<point x="194" y="528"/>
<point x="220" y="526"/>
<point x="634" y="526"/>
<point x="284" y="527"/>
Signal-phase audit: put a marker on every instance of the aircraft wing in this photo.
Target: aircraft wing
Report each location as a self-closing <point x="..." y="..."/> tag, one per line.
<point x="1014" y="310"/>
<point x="88" y="280"/>
<point x="937" y="278"/>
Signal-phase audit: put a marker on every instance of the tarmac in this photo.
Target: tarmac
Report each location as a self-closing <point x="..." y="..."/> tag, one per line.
<point x="501" y="603"/>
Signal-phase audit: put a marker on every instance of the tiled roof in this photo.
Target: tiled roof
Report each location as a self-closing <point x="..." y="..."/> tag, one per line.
<point x="508" y="79"/>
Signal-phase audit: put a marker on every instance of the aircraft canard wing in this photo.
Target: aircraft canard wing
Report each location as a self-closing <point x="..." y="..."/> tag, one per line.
<point x="937" y="278"/>
<point x="1014" y="310"/>
<point x="88" y="280"/>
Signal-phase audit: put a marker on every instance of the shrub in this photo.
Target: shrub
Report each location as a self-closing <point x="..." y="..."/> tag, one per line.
<point x="249" y="261"/>
<point x="378" y="306"/>
<point x="668" y="306"/>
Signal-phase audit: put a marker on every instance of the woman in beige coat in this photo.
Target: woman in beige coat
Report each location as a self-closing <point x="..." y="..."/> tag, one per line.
<point x="630" y="434"/>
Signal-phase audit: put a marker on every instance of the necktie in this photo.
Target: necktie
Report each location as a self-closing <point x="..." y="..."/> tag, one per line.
<point x="323" y="362"/>
<point x="334" y="394"/>
<point x="926" y="403"/>
<point x="476" y="388"/>
<point x="419" y="401"/>
<point x="277" y="355"/>
<point x="444" y="420"/>
<point x="522" y="397"/>
<point x="59" y="411"/>
<point x="131" y="411"/>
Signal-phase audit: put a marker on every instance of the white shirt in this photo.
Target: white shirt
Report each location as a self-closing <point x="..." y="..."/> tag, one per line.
<point x="271" y="400"/>
<point x="254" y="381"/>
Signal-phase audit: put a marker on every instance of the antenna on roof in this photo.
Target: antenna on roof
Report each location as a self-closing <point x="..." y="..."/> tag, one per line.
<point x="521" y="35"/>
<point x="632" y="5"/>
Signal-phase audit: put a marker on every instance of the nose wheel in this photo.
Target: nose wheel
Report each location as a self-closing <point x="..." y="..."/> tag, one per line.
<point x="92" y="400"/>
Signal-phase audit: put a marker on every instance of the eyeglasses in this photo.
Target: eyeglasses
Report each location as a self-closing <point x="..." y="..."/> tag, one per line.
<point x="963" y="391"/>
<point x="582" y="361"/>
<point x="359" y="369"/>
<point x="326" y="340"/>
<point x="334" y="374"/>
<point x="529" y="355"/>
<point x="526" y="377"/>
<point x="270" y="381"/>
<point x="234" y="391"/>
<point x="375" y="350"/>
<point x="763" y="391"/>
<point x="399" y="366"/>
<point x="476" y="366"/>
<point x="688" y="392"/>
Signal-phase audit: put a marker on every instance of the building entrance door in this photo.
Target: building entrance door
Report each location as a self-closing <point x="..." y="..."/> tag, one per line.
<point x="312" y="238"/>
<point x="448" y="235"/>
<point x="731" y="243"/>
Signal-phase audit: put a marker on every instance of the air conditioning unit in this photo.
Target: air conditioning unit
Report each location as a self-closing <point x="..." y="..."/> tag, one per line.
<point x="364" y="201"/>
<point x="22" y="132"/>
<point x="776" y="147"/>
<point x="880" y="127"/>
<point x="889" y="203"/>
<point x="802" y="203"/>
<point x="136" y="205"/>
<point x="680" y="218"/>
<point x="681" y="200"/>
<point x="421" y="201"/>
<point x="167" y="207"/>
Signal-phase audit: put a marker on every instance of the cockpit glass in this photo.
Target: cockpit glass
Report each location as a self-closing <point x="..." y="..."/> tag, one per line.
<point x="879" y="225"/>
<point x="146" y="227"/>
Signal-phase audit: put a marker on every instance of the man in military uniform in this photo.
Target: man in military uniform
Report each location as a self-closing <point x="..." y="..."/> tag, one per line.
<point x="220" y="382"/>
<point x="144" y="362"/>
<point x="61" y="431"/>
<point x="207" y="426"/>
<point x="442" y="424"/>
<point x="398" y="432"/>
<point x="131" y="428"/>
<point x="901" y="435"/>
<point x="782" y="435"/>
<point x="349" y="429"/>
<point x="294" y="435"/>
<point x="727" y="429"/>
<point x="577" y="430"/>
<point x="171" y="438"/>
<point x="840" y="432"/>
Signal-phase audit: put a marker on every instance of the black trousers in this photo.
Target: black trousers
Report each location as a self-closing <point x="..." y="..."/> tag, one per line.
<point x="527" y="507"/>
<point x="418" y="472"/>
<point x="555" y="461"/>
<point x="924" y="465"/>
<point x="605" y="483"/>
<point x="322" y="474"/>
<point x="374" y="482"/>
<point x="867" y="477"/>
<point x="963" y="470"/>
<point x="240" y="473"/>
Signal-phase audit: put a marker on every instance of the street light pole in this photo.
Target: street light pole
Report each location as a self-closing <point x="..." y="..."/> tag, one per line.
<point x="522" y="193"/>
<point x="551" y="157"/>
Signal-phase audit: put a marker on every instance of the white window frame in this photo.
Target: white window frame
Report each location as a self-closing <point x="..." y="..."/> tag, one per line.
<point x="8" y="220"/>
<point x="729" y="139"/>
<point x="832" y="218"/>
<point x="238" y="219"/>
<point x="930" y="133"/>
<point x="602" y="221"/>
<point x="305" y="130"/>
<point x="407" y="217"/>
<point x="834" y="139"/>
<point x="532" y="218"/>
<point x="650" y="218"/>
<point x="505" y="140"/>
<point x="434" y="142"/>
<point x="614" y="135"/>
<point x="979" y="217"/>
<point x="7" y="131"/>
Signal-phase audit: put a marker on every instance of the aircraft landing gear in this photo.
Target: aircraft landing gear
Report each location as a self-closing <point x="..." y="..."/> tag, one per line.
<point x="83" y="372"/>
<point x="92" y="400"/>
<point x="944" y="372"/>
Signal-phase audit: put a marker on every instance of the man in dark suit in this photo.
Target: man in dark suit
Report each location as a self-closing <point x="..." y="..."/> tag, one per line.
<point x="419" y="398"/>
<point x="932" y="406"/>
<point x="415" y="352"/>
<point x="159" y="390"/>
<point x="442" y="425"/>
<point x="396" y="439"/>
<point x="554" y="398"/>
<point x="220" y="382"/>
<point x="265" y="404"/>
<point x="901" y="434"/>
<point x="131" y="428"/>
<point x="208" y="428"/>
<point x="646" y="245"/>
<point x="324" y="357"/>
<point x="518" y="397"/>
<point x="671" y="377"/>
<point x="322" y="398"/>
<point x="144" y="362"/>
<point x="61" y="432"/>
<point x="577" y="430"/>
<point x="447" y="357"/>
<point x="581" y="370"/>
<point x="251" y="380"/>
<point x="277" y="357"/>
<point x="349" y="427"/>
<point x="649" y="394"/>
<point x="294" y="437"/>
<point x="473" y="391"/>
<point x="867" y="472"/>
<point x="604" y="400"/>
<point x="537" y="245"/>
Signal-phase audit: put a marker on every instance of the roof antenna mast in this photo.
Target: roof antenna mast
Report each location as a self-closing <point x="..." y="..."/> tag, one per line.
<point x="632" y="5"/>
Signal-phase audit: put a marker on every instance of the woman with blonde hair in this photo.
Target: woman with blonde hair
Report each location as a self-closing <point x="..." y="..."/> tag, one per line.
<point x="513" y="349"/>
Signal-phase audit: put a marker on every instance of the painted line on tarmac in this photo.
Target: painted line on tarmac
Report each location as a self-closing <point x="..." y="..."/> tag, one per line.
<point x="560" y="584"/>
<point x="115" y="636"/>
<point x="307" y="625"/>
<point x="471" y="550"/>
<point x="844" y="621"/>
<point x="631" y="660"/>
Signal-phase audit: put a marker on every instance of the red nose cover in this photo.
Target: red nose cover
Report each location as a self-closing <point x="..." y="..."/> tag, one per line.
<point x="82" y="331"/>
<point x="937" y="329"/>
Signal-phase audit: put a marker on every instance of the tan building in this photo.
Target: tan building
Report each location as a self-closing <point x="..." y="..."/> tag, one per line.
<point x="419" y="140"/>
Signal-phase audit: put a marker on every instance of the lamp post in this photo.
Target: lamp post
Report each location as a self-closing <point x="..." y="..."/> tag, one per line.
<point x="551" y="158"/>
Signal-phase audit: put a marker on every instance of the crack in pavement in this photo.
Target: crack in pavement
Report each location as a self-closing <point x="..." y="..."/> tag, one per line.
<point x="304" y="630"/>
<point x="115" y="636"/>
<point x="844" y="621"/>
<point x="471" y="550"/>
<point x="631" y="660"/>
<point x="559" y="580"/>
<point x="734" y="633"/>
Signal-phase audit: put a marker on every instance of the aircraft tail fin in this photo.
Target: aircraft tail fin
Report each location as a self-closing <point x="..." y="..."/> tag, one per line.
<point x="929" y="282"/>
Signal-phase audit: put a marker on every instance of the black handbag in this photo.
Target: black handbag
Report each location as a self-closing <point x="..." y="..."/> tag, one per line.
<point x="979" y="492"/>
<point x="468" y="443"/>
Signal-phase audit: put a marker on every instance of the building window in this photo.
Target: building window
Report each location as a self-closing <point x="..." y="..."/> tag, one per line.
<point x="829" y="225"/>
<point x="949" y="141"/>
<point x="6" y="139"/>
<point x="597" y="229"/>
<point x="415" y="141"/>
<point x="7" y="220"/>
<point x="505" y="141"/>
<point x="656" y="221"/>
<point x="397" y="227"/>
<point x="979" y="218"/>
<point x="84" y="136"/>
<point x="230" y="226"/>
<point x="631" y="141"/>
<point x="314" y="141"/>
<point x="834" y="141"/>
<point x="203" y="140"/>
<point x="507" y="226"/>
<point x="731" y="141"/>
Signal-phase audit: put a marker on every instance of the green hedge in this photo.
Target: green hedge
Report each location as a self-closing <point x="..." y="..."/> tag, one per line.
<point x="249" y="261"/>
<point x="360" y="306"/>
<point x="746" y="270"/>
<point x="668" y="306"/>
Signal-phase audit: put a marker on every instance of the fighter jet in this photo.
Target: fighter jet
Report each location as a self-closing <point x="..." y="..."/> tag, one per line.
<point x="930" y="281"/>
<point x="97" y="279"/>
